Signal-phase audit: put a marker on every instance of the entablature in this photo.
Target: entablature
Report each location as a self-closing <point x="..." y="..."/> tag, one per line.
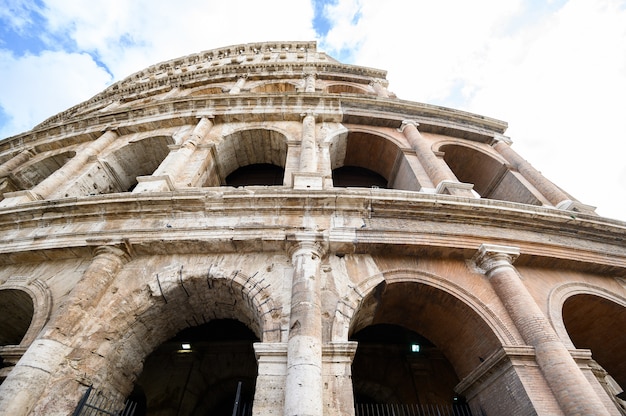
<point x="357" y="221"/>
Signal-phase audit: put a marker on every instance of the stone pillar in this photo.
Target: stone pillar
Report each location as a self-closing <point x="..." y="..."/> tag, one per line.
<point x="550" y="191"/>
<point x="438" y="171"/>
<point x="62" y="177"/>
<point x="7" y="167"/>
<point x="55" y="366"/>
<point x="241" y="81"/>
<point x="269" y="396"/>
<point x="309" y="82"/>
<point x="308" y="176"/>
<point x="568" y="384"/>
<point x="169" y="171"/>
<point x="303" y="386"/>
<point x="337" y="377"/>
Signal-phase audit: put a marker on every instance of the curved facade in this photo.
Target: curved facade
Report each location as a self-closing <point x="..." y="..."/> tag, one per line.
<point x="264" y="225"/>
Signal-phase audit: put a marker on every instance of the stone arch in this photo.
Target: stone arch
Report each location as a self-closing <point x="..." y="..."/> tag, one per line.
<point x="174" y="301"/>
<point x="274" y="87"/>
<point x="38" y="168"/>
<point x="250" y="146"/>
<point x="117" y="171"/>
<point x="214" y="89"/>
<point x="34" y="292"/>
<point x="356" y="311"/>
<point x="345" y="88"/>
<point x="490" y="175"/>
<point x="591" y="317"/>
<point x="376" y="152"/>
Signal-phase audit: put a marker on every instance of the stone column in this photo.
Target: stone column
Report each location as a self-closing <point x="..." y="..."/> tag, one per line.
<point x="309" y="82"/>
<point x="169" y="171"/>
<point x="308" y="176"/>
<point x="241" y="81"/>
<point x="551" y="192"/>
<point x="6" y="184"/>
<point x="7" y="167"/>
<point x="303" y="386"/>
<point x="568" y="384"/>
<point x="55" y="365"/>
<point x="62" y="177"/>
<point x="437" y="170"/>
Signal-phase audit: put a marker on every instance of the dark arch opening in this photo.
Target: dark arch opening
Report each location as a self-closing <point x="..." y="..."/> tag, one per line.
<point x="256" y="174"/>
<point x="394" y="365"/>
<point x="491" y="178"/>
<point x="453" y="340"/>
<point x="599" y="324"/>
<point x="197" y="372"/>
<point x="16" y="314"/>
<point x="355" y="176"/>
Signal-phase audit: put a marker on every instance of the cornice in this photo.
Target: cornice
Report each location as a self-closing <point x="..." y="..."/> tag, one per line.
<point x="178" y="111"/>
<point x="391" y="221"/>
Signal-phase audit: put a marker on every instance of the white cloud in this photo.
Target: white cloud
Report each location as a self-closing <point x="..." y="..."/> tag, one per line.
<point x="35" y="87"/>
<point x="556" y="71"/>
<point x="556" y="74"/>
<point x="128" y="36"/>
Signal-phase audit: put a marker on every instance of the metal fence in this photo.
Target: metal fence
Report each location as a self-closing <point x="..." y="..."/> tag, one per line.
<point x="95" y="404"/>
<point x="367" y="409"/>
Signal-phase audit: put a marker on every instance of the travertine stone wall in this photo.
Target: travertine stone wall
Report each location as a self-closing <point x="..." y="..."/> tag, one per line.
<point x="118" y="226"/>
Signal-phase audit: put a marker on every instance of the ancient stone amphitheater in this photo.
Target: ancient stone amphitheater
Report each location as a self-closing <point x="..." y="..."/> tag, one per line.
<point x="261" y="229"/>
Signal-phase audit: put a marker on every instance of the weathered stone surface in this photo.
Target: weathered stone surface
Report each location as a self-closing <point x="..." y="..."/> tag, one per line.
<point x="140" y="262"/>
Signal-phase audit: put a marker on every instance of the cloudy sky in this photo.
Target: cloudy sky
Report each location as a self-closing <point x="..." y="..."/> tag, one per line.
<point x="554" y="70"/>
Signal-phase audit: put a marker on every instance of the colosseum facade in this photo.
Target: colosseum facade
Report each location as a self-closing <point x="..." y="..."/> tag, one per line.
<point x="262" y="229"/>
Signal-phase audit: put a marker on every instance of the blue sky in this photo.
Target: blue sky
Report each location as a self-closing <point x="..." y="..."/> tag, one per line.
<point x="554" y="70"/>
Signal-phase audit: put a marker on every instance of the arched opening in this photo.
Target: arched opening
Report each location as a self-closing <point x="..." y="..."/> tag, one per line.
<point x="208" y="91"/>
<point x="118" y="171"/>
<point x="274" y="87"/>
<point x="199" y="371"/>
<point x="416" y="342"/>
<point x="16" y="315"/>
<point x="354" y="176"/>
<point x="394" y="365"/>
<point x="491" y="178"/>
<point x="346" y="89"/>
<point x="256" y="174"/>
<point x="371" y="156"/>
<point x="265" y="151"/>
<point x="34" y="173"/>
<point x="599" y="324"/>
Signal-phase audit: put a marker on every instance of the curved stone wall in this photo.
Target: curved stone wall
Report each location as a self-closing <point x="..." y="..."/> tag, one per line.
<point x="119" y="225"/>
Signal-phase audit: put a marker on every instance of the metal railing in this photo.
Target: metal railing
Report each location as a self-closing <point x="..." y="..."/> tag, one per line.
<point x="96" y="404"/>
<point x="378" y="409"/>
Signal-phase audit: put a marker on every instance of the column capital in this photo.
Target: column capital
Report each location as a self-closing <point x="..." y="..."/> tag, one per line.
<point x="491" y="256"/>
<point x="501" y="138"/>
<point x="306" y="243"/>
<point x="121" y="251"/>
<point x="308" y="113"/>
<point x="406" y="123"/>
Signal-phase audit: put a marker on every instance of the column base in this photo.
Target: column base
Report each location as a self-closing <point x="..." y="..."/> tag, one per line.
<point x="456" y="189"/>
<point x="154" y="184"/>
<point x="304" y="180"/>
<point x="12" y="199"/>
